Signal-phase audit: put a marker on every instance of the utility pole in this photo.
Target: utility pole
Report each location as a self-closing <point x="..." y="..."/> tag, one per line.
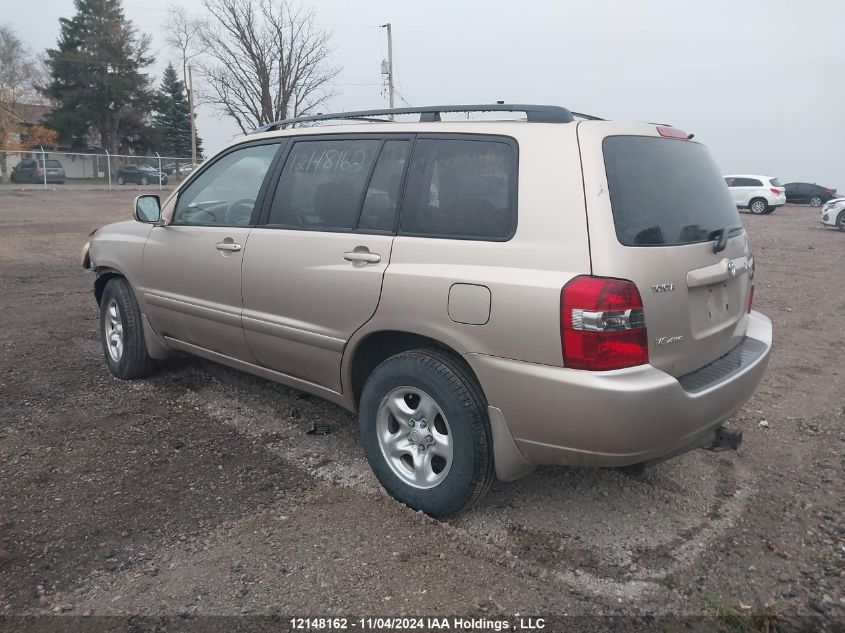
<point x="389" y="63"/>
<point x="193" y="121"/>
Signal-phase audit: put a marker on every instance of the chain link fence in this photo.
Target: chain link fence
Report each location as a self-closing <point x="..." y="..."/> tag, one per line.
<point x="46" y="168"/>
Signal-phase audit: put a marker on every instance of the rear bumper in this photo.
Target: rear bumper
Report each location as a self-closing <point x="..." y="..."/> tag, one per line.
<point x="564" y="416"/>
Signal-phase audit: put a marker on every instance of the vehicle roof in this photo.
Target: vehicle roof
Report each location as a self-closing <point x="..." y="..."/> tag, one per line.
<point x="748" y="176"/>
<point x="505" y="127"/>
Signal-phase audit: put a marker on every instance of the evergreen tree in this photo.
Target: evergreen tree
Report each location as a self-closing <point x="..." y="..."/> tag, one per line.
<point x="96" y="78"/>
<point x="172" y="118"/>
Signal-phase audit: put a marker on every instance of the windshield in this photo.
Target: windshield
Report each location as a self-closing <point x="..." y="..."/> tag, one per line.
<point x="666" y="192"/>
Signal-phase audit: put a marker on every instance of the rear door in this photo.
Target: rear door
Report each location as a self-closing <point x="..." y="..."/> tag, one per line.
<point x="313" y="271"/>
<point x="655" y="207"/>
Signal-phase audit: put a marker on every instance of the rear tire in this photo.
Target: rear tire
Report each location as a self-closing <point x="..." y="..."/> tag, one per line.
<point x="840" y="221"/>
<point x="816" y="201"/>
<point x="758" y="206"/>
<point x="122" y="332"/>
<point x="427" y="397"/>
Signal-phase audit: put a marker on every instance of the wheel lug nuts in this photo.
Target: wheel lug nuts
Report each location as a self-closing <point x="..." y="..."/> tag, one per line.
<point x="412" y="423"/>
<point x="428" y="438"/>
<point x="422" y="424"/>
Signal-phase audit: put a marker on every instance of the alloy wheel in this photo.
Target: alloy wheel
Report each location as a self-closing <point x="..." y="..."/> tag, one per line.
<point x="414" y="437"/>
<point x="113" y="327"/>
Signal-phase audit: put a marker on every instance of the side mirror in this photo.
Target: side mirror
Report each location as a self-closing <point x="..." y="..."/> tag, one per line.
<point x="148" y="208"/>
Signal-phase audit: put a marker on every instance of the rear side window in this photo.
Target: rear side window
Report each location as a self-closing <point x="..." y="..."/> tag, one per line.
<point x="461" y="188"/>
<point x="322" y="184"/>
<point x="746" y="182"/>
<point x="665" y="192"/>
<point x="381" y="203"/>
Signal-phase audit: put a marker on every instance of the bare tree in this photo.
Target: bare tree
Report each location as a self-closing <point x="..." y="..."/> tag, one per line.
<point x="184" y="34"/>
<point x="20" y="74"/>
<point x="20" y="71"/>
<point x="265" y="60"/>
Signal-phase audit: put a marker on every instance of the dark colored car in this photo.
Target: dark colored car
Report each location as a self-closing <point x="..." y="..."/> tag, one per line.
<point x="30" y="170"/>
<point x="139" y="174"/>
<point x="808" y="193"/>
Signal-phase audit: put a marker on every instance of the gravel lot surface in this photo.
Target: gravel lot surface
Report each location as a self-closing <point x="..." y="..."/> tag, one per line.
<point x="198" y="492"/>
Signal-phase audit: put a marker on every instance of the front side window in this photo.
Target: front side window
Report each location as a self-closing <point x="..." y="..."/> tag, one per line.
<point x="322" y="184"/>
<point x="461" y="188"/>
<point x="225" y="193"/>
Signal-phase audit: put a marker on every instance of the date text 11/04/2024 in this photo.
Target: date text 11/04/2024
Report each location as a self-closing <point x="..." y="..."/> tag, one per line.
<point x="418" y="624"/>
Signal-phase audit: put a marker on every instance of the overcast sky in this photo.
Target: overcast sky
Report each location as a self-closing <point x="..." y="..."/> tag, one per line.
<point x="762" y="83"/>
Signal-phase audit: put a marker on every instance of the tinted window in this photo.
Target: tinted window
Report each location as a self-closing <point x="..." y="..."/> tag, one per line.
<point x="51" y="163"/>
<point x="461" y="188"/>
<point x="225" y="192"/>
<point x="775" y="182"/>
<point x="747" y="182"/>
<point x="130" y="168"/>
<point x="385" y="189"/>
<point x="322" y="184"/>
<point x="665" y="192"/>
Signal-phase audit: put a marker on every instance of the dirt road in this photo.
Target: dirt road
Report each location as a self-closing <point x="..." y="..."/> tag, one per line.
<point x="198" y="492"/>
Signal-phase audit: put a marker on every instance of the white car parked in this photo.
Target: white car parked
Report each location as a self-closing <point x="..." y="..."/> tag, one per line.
<point x="833" y="213"/>
<point x="758" y="194"/>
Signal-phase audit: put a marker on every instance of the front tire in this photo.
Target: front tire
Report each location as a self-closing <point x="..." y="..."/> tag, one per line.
<point x="816" y="201"/>
<point x="758" y="206"/>
<point x="840" y="221"/>
<point x="122" y="332"/>
<point x="425" y="432"/>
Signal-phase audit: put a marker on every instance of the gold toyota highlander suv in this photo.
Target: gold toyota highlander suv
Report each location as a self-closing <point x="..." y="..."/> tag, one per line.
<point x="487" y="295"/>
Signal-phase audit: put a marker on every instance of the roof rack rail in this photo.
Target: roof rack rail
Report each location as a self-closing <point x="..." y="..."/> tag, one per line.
<point x="534" y="113"/>
<point x="588" y="117"/>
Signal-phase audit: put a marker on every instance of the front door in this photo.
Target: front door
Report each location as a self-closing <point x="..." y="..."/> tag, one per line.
<point x="313" y="271"/>
<point x="191" y="272"/>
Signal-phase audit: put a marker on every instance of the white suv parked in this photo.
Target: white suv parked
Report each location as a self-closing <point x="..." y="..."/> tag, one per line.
<point x="833" y="213"/>
<point x="758" y="194"/>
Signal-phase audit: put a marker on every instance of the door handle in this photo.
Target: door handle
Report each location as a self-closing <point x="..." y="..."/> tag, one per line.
<point x="362" y="256"/>
<point x="229" y="246"/>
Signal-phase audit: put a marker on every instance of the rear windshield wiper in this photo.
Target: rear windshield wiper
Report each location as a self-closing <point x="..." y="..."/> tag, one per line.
<point x="721" y="236"/>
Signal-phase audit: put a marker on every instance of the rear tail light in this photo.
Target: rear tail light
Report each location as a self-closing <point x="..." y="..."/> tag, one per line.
<point x="751" y="284"/>
<point x="602" y="324"/>
<point x="37" y="171"/>
<point x="775" y="191"/>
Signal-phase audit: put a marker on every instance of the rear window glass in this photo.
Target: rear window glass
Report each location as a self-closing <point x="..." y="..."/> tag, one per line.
<point x="775" y="182"/>
<point x="462" y="189"/>
<point x="665" y="192"/>
<point x="53" y="163"/>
